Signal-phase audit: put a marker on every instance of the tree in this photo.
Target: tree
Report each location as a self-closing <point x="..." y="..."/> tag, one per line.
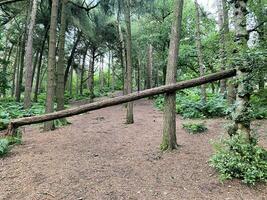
<point x="169" y="121"/>
<point x="223" y="30"/>
<point x="199" y="52"/>
<point x="49" y="107"/>
<point x="149" y="66"/>
<point x="61" y="59"/>
<point x="28" y="57"/>
<point x="127" y="15"/>
<point x="241" y="116"/>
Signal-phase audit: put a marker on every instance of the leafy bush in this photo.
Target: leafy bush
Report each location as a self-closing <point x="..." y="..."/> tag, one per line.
<point x="259" y="105"/>
<point x="194" y="128"/>
<point x="237" y="158"/>
<point x="189" y="105"/>
<point x="3" y="147"/>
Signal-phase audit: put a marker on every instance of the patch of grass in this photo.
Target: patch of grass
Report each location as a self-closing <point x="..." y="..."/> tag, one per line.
<point x="235" y="157"/>
<point x="195" y="128"/>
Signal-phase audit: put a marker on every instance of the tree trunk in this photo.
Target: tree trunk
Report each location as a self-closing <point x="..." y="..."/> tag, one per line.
<point x="113" y="74"/>
<point x="91" y="73"/>
<point x="139" y="74"/>
<point x="35" y="65"/>
<point x="21" y="69"/>
<point x="16" y="68"/>
<point x="149" y="66"/>
<point x="37" y="83"/>
<point x="169" y="120"/>
<point x="82" y="70"/>
<point x="127" y="15"/>
<point x="51" y="68"/>
<point x="61" y="59"/>
<point x="120" y="100"/>
<point x="241" y="116"/>
<point x="231" y="87"/>
<point x="28" y="57"/>
<point x="71" y="57"/>
<point x="70" y="81"/>
<point x="222" y="31"/>
<point x="199" y="52"/>
<point x="101" y="74"/>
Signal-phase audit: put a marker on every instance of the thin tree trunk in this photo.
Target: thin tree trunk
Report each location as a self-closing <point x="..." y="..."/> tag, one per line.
<point x="51" y="68"/>
<point x="222" y="31"/>
<point x="37" y="83"/>
<point x="70" y="81"/>
<point x="169" y="120"/>
<point x="82" y="70"/>
<point x="61" y="59"/>
<point x="17" y="85"/>
<point x="91" y="73"/>
<point x="16" y="68"/>
<point x="149" y="66"/>
<point x="127" y="15"/>
<point x="35" y="65"/>
<point x="113" y="74"/>
<point x="139" y="74"/>
<point x="101" y="74"/>
<point x="71" y="57"/>
<point x="28" y="57"/>
<point x="199" y="52"/>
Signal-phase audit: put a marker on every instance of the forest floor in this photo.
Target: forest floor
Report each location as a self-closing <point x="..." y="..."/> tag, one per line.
<point x="100" y="157"/>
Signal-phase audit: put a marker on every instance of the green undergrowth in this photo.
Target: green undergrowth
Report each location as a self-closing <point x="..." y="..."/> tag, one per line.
<point x="259" y="104"/>
<point x="189" y="105"/>
<point x="7" y="142"/>
<point x="236" y="158"/>
<point x="195" y="128"/>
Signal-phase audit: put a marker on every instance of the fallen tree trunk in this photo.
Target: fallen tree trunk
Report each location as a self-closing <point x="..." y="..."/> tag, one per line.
<point x="14" y="124"/>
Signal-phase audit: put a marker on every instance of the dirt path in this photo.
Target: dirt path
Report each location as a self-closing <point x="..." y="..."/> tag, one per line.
<point x="99" y="157"/>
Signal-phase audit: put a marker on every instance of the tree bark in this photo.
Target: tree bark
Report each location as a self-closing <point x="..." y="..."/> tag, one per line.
<point x="82" y="70"/>
<point x="91" y="73"/>
<point x="16" y="68"/>
<point x="29" y="56"/>
<point x="113" y="74"/>
<point x="170" y="89"/>
<point x="241" y="116"/>
<point x="21" y="69"/>
<point x="127" y="15"/>
<point x="169" y="119"/>
<point x="37" y="83"/>
<point x="61" y="59"/>
<point x="101" y="74"/>
<point x="149" y="66"/>
<point x="199" y="52"/>
<point x="222" y="31"/>
<point x="71" y="57"/>
<point x="49" y="108"/>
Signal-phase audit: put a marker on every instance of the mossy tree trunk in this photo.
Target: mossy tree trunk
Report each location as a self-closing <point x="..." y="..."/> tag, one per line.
<point x="241" y="116"/>
<point x="169" y="121"/>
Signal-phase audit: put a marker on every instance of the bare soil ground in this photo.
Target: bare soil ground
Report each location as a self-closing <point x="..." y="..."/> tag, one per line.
<point x="100" y="157"/>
